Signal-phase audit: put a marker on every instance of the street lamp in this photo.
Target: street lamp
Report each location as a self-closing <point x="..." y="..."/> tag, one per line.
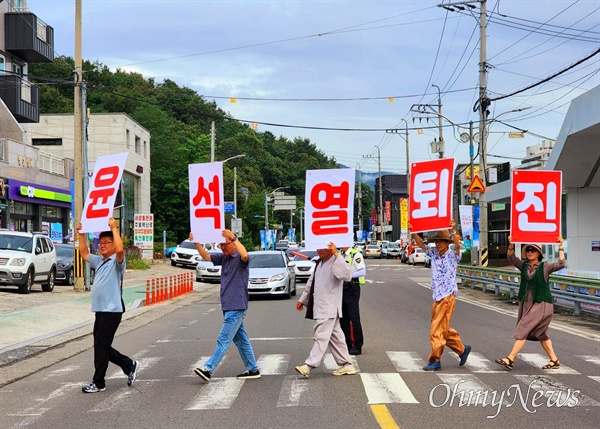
<point x="234" y="183"/>
<point x="267" y="196"/>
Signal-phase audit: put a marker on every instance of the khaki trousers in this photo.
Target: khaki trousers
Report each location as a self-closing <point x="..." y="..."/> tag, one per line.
<point x="328" y="333"/>
<point x="441" y="334"/>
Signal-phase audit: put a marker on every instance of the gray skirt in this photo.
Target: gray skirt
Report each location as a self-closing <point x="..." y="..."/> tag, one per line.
<point x="533" y="319"/>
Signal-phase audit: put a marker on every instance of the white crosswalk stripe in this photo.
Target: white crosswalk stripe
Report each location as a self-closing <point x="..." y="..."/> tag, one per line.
<point x="331" y="365"/>
<point x="273" y="364"/>
<point x="406" y="361"/>
<point x="145" y="365"/>
<point x="557" y="393"/>
<point x="539" y="360"/>
<point x="466" y="389"/>
<point x="200" y="364"/>
<point x="590" y="359"/>
<point x="219" y="394"/>
<point x="387" y="388"/>
<point x="297" y="391"/>
<point x="479" y="363"/>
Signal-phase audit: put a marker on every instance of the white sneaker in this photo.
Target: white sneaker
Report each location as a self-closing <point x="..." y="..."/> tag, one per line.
<point x="344" y="370"/>
<point x="303" y="370"/>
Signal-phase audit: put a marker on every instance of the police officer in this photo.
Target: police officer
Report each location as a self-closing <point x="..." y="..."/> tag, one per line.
<point x="350" y="321"/>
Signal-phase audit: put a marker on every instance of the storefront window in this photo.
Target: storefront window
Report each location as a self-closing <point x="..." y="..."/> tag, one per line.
<point x="23" y="208"/>
<point x="52" y="212"/>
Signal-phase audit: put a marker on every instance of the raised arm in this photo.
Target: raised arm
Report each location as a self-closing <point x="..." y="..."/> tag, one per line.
<point x="417" y="239"/>
<point x="201" y="250"/>
<point x="238" y="246"/>
<point x="117" y="240"/>
<point x="455" y="236"/>
<point x="84" y="251"/>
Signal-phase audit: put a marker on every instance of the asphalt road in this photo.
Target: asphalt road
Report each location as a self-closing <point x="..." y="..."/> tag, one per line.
<point x="390" y="391"/>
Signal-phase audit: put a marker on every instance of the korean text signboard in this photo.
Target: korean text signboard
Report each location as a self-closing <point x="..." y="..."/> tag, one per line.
<point x="535" y="206"/>
<point x="143" y="234"/>
<point x="329" y="204"/>
<point x="207" y="218"/>
<point x="102" y="192"/>
<point x="431" y="195"/>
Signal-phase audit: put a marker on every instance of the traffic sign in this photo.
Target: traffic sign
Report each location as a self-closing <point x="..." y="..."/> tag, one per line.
<point x="476" y="185"/>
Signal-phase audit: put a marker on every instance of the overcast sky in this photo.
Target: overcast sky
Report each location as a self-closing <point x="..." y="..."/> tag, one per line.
<point x="335" y="64"/>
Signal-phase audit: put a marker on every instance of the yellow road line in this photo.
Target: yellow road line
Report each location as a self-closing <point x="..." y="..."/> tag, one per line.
<point x="383" y="417"/>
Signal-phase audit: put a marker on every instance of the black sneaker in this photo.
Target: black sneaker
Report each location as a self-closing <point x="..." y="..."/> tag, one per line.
<point x="203" y="373"/>
<point x="255" y="373"/>
<point x="135" y="367"/>
<point x="92" y="388"/>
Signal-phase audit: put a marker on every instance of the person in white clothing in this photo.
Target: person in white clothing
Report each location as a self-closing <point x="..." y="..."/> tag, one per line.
<point x="326" y="287"/>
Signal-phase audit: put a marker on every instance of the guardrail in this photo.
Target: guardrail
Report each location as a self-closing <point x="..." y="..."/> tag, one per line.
<point x="159" y="289"/>
<point x="573" y="292"/>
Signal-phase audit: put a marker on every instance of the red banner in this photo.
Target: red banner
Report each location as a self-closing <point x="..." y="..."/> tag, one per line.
<point x="535" y="206"/>
<point x="431" y="194"/>
<point x="388" y="211"/>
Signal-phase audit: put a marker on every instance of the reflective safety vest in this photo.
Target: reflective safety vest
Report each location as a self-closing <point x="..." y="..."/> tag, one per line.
<point x="349" y="258"/>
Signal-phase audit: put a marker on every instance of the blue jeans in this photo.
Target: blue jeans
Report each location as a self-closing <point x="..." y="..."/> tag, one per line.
<point x="233" y="330"/>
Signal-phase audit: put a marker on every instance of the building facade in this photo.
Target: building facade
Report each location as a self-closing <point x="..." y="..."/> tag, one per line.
<point x="35" y="192"/>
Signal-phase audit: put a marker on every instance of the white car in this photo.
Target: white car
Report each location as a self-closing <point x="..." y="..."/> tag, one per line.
<point x="305" y="264"/>
<point x="207" y="272"/>
<point x="417" y="257"/>
<point x="26" y="259"/>
<point x="271" y="274"/>
<point x="186" y="254"/>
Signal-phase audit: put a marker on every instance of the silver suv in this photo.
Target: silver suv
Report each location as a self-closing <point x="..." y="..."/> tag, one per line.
<point x="25" y="259"/>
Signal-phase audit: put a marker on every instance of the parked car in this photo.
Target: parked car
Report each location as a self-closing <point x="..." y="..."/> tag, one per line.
<point x="305" y="264"/>
<point x="206" y="271"/>
<point x="26" y="259"/>
<point x="186" y="254"/>
<point x="282" y="245"/>
<point x="360" y="246"/>
<point x="393" y="250"/>
<point x="65" y="270"/>
<point x="384" y="249"/>
<point x="417" y="257"/>
<point x="372" y="251"/>
<point x="271" y="274"/>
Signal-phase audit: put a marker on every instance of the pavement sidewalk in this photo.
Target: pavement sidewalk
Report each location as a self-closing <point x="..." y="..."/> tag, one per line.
<point x="28" y="319"/>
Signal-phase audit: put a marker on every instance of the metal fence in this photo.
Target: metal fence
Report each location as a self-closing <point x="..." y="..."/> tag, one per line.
<point x="574" y="292"/>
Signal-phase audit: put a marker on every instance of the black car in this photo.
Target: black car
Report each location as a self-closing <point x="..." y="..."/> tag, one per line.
<point x="65" y="272"/>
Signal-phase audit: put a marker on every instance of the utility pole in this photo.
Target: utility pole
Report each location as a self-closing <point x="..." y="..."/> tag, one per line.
<point x="395" y="131"/>
<point x="442" y="145"/>
<point x="380" y="190"/>
<point x="360" y="218"/>
<point x="78" y="148"/>
<point x="212" y="141"/>
<point x="483" y="105"/>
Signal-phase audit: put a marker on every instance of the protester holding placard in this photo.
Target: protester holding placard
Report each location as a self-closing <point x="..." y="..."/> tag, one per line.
<point x="536" y="305"/>
<point x="107" y="303"/>
<point x="323" y="299"/>
<point x="234" y="304"/>
<point x="444" y="263"/>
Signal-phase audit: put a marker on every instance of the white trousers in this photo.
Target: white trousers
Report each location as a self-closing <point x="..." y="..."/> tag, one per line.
<point x="328" y="332"/>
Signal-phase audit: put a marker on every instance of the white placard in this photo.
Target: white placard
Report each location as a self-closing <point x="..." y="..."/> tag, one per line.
<point x="207" y="207"/>
<point x="102" y="192"/>
<point x="329" y="204"/>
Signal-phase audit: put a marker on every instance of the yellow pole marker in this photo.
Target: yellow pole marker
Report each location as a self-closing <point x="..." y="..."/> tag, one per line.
<point x="383" y="417"/>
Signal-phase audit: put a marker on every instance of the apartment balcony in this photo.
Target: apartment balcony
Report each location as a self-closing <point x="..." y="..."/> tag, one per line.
<point x="21" y="97"/>
<point x="28" y="37"/>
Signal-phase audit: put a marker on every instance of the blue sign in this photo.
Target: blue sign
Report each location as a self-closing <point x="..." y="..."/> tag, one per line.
<point x="229" y="208"/>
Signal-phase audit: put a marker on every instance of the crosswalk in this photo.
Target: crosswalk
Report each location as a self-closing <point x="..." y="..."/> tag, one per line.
<point x="473" y="384"/>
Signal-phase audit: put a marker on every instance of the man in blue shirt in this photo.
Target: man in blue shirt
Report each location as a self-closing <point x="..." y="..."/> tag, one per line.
<point x="107" y="303"/>
<point x="234" y="304"/>
<point x="443" y="284"/>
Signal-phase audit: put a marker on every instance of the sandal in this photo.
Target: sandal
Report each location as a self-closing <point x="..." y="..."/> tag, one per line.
<point x="507" y="365"/>
<point x="553" y="364"/>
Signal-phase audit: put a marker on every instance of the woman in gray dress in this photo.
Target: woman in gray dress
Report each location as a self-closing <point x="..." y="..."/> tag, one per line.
<point x="535" y="300"/>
